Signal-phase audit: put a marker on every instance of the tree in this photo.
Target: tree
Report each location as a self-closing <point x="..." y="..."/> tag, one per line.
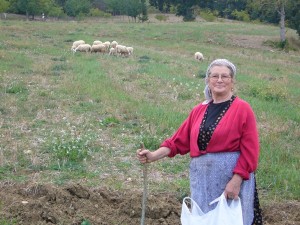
<point x="185" y="8"/>
<point x="281" y="12"/>
<point x="161" y="5"/>
<point x="53" y="9"/>
<point x="4" y="5"/>
<point x="115" y="7"/>
<point x="77" y="7"/>
<point x="29" y="7"/>
<point x="293" y="16"/>
<point x="134" y="8"/>
<point x="35" y="7"/>
<point x="144" y="16"/>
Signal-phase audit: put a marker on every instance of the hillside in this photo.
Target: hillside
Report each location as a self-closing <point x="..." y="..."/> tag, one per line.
<point x="70" y="123"/>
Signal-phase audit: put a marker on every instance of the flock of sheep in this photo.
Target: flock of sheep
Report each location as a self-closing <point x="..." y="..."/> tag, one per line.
<point x="112" y="48"/>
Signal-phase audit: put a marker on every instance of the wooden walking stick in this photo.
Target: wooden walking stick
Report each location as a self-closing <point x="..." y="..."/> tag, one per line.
<point x="144" y="202"/>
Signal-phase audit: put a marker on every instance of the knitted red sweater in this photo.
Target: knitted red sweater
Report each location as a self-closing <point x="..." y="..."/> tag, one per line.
<point x="236" y="131"/>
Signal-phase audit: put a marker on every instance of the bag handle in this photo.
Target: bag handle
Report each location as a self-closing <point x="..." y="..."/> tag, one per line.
<point x="194" y="208"/>
<point x="222" y="197"/>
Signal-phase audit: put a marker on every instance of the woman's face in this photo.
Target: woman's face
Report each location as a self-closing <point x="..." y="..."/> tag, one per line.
<point x="220" y="81"/>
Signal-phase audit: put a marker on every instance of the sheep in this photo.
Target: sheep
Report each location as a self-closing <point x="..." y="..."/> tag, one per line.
<point x="112" y="51"/>
<point x="122" y="50"/>
<point x="83" y="48"/>
<point x="199" y="56"/>
<point x="107" y="44"/>
<point x="119" y="47"/>
<point x="113" y="44"/>
<point x="97" y="42"/>
<point x="99" y="48"/>
<point x="130" y="50"/>
<point x="77" y="43"/>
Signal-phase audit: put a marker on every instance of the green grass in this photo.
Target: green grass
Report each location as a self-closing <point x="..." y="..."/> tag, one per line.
<point x="76" y="116"/>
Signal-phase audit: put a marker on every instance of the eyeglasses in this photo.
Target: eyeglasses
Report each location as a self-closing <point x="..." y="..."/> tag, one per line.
<point x="216" y="77"/>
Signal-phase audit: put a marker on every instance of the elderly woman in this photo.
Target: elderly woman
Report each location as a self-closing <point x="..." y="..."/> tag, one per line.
<point x="221" y="137"/>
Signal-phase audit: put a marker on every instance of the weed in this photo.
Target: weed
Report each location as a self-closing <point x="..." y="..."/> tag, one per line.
<point x="268" y="93"/>
<point x="109" y="121"/>
<point x="71" y="147"/>
<point x="16" y="87"/>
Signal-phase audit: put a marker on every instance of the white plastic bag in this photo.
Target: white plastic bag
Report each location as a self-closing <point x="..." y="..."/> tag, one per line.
<point x="223" y="214"/>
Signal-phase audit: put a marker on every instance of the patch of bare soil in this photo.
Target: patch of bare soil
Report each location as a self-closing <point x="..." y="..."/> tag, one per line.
<point x="255" y="42"/>
<point x="73" y="204"/>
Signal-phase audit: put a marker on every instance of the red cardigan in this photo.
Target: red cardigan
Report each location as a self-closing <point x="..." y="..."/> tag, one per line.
<point x="236" y="131"/>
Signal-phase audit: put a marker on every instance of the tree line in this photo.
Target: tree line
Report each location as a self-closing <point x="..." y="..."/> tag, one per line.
<point x="282" y="12"/>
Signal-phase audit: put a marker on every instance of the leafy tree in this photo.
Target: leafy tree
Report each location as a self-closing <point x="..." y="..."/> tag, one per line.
<point x="60" y="2"/>
<point x="29" y="7"/>
<point x="115" y="6"/>
<point x="144" y="16"/>
<point x="134" y="8"/>
<point x="53" y="9"/>
<point x="161" y="5"/>
<point x="186" y="11"/>
<point x="293" y="15"/>
<point x="4" y="5"/>
<point x="77" y="7"/>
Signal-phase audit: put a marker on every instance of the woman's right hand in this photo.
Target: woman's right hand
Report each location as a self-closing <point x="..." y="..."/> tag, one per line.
<point x="146" y="156"/>
<point x="143" y="155"/>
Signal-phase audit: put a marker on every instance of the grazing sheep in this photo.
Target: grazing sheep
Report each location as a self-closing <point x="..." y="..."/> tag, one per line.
<point x="113" y="44"/>
<point x="199" y="56"/>
<point x="107" y="44"/>
<point x="123" y="51"/>
<point x="119" y="47"/>
<point x="99" y="48"/>
<point x="112" y="51"/>
<point x="77" y="43"/>
<point x="83" y="48"/>
<point x="97" y="42"/>
<point x="130" y="50"/>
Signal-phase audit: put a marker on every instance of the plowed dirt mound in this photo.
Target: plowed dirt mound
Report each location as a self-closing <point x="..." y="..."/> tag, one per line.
<point x="75" y="204"/>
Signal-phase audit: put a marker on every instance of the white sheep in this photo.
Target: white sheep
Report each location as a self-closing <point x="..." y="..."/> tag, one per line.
<point x="99" y="48"/>
<point x="83" y="48"/>
<point x="107" y="44"/>
<point x="119" y="47"/>
<point x="123" y="51"/>
<point x="97" y="42"/>
<point x="113" y="44"/>
<point x="77" y="43"/>
<point x="130" y="50"/>
<point x="199" y="56"/>
<point x="112" y="51"/>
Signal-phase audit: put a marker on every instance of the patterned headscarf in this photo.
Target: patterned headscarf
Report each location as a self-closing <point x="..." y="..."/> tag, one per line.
<point x="217" y="62"/>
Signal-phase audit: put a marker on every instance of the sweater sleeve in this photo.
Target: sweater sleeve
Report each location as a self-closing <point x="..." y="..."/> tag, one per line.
<point x="179" y="142"/>
<point x="249" y="146"/>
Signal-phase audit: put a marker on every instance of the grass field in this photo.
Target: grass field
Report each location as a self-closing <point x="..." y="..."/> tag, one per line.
<point x="68" y="117"/>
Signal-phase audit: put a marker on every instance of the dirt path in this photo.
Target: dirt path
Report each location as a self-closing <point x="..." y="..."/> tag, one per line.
<point x="74" y="204"/>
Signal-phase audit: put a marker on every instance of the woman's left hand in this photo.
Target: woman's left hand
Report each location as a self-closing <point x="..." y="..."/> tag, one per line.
<point x="233" y="187"/>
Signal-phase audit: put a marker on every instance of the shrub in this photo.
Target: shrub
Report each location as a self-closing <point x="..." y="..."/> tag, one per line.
<point x="240" y="15"/>
<point x="283" y="45"/>
<point x="16" y="88"/>
<point x="94" y="12"/>
<point x="208" y="15"/>
<point x="161" y="17"/>
<point x="268" y="92"/>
